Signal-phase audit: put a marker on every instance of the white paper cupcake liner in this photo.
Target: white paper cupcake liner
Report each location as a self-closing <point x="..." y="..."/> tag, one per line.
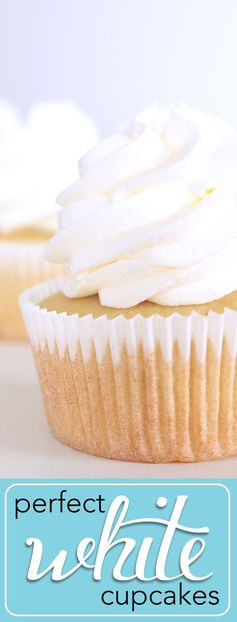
<point x="146" y="389"/>
<point x="21" y="266"/>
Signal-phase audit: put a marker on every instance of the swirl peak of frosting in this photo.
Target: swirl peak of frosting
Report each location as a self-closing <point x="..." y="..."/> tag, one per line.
<point x="154" y="213"/>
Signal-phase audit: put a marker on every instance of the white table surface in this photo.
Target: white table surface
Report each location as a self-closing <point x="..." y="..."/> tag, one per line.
<point x="27" y="448"/>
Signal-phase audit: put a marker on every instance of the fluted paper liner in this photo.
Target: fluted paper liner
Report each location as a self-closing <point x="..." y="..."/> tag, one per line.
<point x="22" y="265"/>
<point x="144" y="389"/>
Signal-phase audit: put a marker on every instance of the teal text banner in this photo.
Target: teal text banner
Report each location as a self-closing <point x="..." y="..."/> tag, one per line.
<point x="113" y="549"/>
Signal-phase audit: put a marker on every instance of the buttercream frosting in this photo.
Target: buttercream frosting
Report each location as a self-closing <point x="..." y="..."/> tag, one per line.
<point x="154" y="213"/>
<point x="39" y="156"/>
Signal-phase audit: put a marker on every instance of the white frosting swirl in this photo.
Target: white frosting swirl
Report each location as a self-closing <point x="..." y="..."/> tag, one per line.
<point x="154" y="213"/>
<point x="38" y="157"/>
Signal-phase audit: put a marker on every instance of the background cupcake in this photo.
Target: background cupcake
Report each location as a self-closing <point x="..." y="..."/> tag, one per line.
<point x="37" y="156"/>
<point x="136" y="348"/>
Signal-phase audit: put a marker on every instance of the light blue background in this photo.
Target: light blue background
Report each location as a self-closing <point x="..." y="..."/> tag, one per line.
<point x="207" y="505"/>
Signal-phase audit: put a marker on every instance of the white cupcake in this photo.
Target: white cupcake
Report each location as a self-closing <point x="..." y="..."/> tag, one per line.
<point x="37" y="157"/>
<point x="136" y="348"/>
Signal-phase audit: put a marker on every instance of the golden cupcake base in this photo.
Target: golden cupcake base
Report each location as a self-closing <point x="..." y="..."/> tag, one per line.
<point x="144" y="409"/>
<point x="22" y="265"/>
<point x="90" y="305"/>
<point x="143" y="388"/>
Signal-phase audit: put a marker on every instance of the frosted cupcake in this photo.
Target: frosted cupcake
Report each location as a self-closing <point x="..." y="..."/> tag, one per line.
<point x="136" y="347"/>
<point x="36" y="158"/>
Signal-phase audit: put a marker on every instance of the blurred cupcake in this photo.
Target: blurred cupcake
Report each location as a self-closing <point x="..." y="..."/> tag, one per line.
<point x="36" y="158"/>
<point x="136" y="348"/>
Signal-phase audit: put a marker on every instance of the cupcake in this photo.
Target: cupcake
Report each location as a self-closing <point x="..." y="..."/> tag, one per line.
<point x="136" y="347"/>
<point x="36" y="157"/>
